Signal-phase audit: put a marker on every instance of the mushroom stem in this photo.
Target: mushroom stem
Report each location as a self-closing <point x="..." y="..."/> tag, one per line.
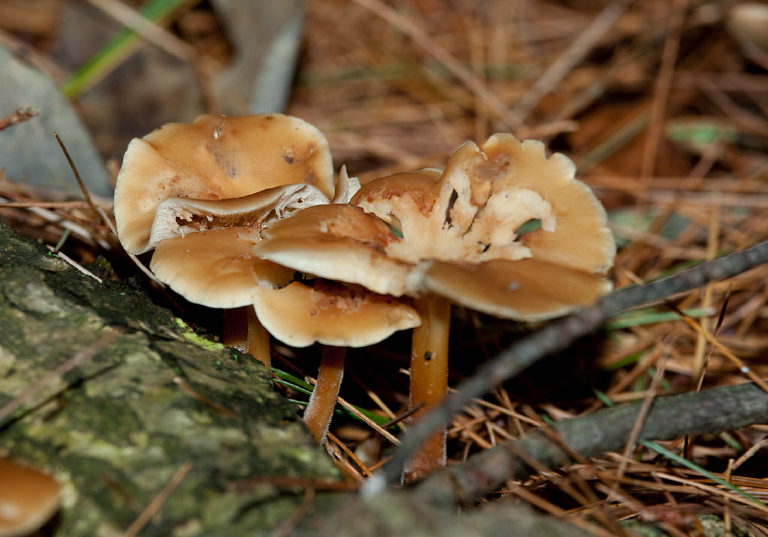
<point x="244" y="331"/>
<point x="258" y="339"/>
<point x="319" y="410"/>
<point x="429" y="379"/>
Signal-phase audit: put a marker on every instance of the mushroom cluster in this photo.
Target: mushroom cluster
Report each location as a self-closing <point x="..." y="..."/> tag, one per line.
<point x="201" y="193"/>
<point x="246" y="214"/>
<point x="503" y="230"/>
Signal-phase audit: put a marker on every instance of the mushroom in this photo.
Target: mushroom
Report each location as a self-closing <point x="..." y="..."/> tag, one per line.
<point x="338" y="316"/>
<point x="215" y="158"/>
<point x="503" y="230"/>
<point x="28" y="499"/>
<point x="198" y="193"/>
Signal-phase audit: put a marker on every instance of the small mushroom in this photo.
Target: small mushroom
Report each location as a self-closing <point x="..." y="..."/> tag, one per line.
<point x="350" y="316"/>
<point x="215" y="158"/>
<point x="503" y="230"/>
<point x="199" y="192"/>
<point x="338" y="316"/>
<point x="28" y="499"/>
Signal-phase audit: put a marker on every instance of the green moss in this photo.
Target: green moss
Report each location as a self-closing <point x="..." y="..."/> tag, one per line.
<point x="116" y="422"/>
<point x="714" y="526"/>
<point x="190" y="335"/>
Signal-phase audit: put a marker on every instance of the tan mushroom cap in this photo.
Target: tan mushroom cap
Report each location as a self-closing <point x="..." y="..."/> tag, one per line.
<point x="215" y="268"/>
<point x="215" y="158"/>
<point x="579" y="237"/>
<point x="338" y="242"/>
<point x="472" y="213"/>
<point x="28" y="499"/>
<point x="529" y="289"/>
<point x="463" y="230"/>
<point x="331" y="314"/>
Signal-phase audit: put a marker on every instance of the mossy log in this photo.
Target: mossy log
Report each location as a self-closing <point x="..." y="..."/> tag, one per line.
<point x="113" y="396"/>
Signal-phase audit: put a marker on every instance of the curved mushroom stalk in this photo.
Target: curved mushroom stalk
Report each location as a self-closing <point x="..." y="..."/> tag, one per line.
<point x="322" y="402"/>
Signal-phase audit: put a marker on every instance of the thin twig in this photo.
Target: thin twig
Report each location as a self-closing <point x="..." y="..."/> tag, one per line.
<point x="738" y="362"/>
<point x="663" y="86"/>
<point x="158" y="501"/>
<point x="285" y="529"/>
<point x="74" y="263"/>
<point x="20" y="115"/>
<point x="703" y="371"/>
<point x="80" y="183"/>
<point x="645" y="407"/>
<point x="145" y="28"/>
<point x="45" y="204"/>
<point x="351" y="454"/>
<point x="136" y="261"/>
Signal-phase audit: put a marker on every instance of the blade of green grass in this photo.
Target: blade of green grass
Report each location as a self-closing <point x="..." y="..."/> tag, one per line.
<point x="116" y="51"/>
<point x="629" y="360"/>
<point x="696" y="468"/>
<point x="295" y="382"/>
<point x="651" y="316"/>
<point x="286" y="379"/>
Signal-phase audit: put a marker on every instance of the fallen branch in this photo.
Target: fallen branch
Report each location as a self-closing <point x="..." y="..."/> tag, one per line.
<point x="20" y="115"/>
<point x="711" y="411"/>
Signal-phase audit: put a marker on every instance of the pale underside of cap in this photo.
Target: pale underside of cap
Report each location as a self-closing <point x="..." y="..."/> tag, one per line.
<point x="337" y="242"/>
<point x="331" y="314"/>
<point x="528" y="289"/>
<point x="216" y="268"/>
<point x="177" y="217"/>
